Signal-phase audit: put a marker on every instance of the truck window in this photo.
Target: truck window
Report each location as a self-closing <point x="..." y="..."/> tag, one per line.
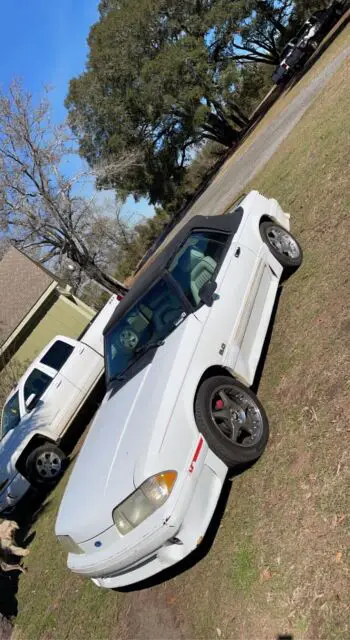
<point x="57" y="355"/>
<point x="37" y="383"/>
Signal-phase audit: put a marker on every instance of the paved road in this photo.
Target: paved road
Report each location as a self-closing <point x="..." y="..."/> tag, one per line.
<point x="237" y="173"/>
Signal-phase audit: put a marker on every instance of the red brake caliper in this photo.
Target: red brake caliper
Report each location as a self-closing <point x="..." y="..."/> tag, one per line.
<point x="219" y="404"/>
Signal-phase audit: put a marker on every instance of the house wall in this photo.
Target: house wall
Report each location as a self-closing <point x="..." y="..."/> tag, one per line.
<point x="59" y="315"/>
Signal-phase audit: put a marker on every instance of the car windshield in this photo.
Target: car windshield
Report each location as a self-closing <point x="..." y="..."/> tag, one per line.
<point x="10" y="415"/>
<point x="149" y="321"/>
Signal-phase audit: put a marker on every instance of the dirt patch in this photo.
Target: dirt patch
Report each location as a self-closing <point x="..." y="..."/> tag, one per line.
<point x="154" y="615"/>
<point x="5" y="628"/>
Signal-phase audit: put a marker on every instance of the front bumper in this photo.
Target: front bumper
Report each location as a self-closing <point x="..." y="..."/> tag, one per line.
<point x="13" y="493"/>
<point x="163" y="547"/>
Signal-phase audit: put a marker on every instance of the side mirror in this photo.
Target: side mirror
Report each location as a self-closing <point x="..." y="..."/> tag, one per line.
<point x="32" y="401"/>
<point x="206" y="292"/>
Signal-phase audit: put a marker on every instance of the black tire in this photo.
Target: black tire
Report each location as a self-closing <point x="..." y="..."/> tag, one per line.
<point x="38" y="471"/>
<point x="236" y="448"/>
<point x="288" y="252"/>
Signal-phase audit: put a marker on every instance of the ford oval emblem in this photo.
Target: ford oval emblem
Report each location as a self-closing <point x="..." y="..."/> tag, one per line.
<point x="98" y="543"/>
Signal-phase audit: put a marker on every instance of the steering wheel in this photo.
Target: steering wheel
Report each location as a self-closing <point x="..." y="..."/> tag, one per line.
<point x="128" y="339"/>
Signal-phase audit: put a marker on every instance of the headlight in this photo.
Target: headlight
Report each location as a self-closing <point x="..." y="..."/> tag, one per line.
<point x="69" y="545"/>
<point x="144" y="501"/>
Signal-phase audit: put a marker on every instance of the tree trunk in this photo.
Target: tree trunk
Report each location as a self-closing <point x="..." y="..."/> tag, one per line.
<point x="236" y="109"/>
<point x="105" y="279"/>
<point x="87" y="264"/>
<point x="237" y="120"/>
<point x="220" y="130"/>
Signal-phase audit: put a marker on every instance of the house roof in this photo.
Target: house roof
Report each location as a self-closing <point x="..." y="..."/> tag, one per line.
<point x="22" y="284"/>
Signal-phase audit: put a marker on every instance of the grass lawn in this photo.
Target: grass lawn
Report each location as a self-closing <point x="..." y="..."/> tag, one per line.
<point x="280" y="560"/>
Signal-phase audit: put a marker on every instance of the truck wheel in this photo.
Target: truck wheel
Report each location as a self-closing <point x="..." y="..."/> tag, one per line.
<point x="232" y="420"/>
<point x="282" y="245"/>
<point x="45" y="465"/>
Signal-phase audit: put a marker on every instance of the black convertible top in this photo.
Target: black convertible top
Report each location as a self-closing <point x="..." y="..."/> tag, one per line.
<point x="228" y="223"/>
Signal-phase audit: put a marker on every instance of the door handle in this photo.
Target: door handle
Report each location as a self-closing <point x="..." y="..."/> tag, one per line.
<point x="81" y="350"/>
<point x="238" y="252"/>
<point x="58" y="384"/>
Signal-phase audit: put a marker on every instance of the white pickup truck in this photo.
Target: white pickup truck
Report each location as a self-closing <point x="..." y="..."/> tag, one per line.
<point x="39" y="411"/>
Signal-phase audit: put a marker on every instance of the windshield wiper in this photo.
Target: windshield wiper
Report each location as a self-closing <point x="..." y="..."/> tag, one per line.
<point x="140" y="351"/>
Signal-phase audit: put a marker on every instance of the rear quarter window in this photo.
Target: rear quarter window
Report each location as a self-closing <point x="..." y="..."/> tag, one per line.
<point x="57" y="355"/>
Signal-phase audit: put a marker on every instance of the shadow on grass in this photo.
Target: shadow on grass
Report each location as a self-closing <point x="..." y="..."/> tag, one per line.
<point x="34" y="504"/>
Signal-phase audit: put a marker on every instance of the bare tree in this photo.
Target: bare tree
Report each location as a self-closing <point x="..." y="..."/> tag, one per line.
<point x="41" y="206"/>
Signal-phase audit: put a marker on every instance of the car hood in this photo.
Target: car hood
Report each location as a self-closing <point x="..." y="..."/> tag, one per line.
<point x="127" y="432"/>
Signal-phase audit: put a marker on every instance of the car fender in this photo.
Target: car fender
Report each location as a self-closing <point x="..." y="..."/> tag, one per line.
<point x="179" y="448"/>
<point x="27" y="442"/>
<point x="257" y="209"/>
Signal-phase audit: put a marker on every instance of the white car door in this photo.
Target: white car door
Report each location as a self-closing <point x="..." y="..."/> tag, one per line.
<point x="83" y="367"/>
<point x="49" y="398"/>
<point x="208" y="255"/>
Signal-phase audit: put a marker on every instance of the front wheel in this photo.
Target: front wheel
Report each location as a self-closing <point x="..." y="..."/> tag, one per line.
<point x="283" y="246"/>
<point x="45" y="465"/>
<point x="232" y="420"/>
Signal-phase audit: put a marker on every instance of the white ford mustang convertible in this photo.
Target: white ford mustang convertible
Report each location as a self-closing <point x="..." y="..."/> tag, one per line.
<point x="181" y="353"/>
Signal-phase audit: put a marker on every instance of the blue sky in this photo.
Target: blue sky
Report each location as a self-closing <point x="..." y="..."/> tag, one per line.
<point x="44" y="43"/>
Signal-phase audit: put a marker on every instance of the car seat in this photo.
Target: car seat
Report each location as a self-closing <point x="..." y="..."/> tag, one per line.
<point x="201" y="274"/>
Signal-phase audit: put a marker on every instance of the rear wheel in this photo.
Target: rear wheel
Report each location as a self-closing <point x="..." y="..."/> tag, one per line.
<point x="282" y="245"/>
<point x="45" y="465"/>
<point x="232" y="420"/>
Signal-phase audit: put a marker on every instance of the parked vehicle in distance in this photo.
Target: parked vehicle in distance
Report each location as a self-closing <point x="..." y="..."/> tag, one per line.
<point x="298" y="50"/>
<point x="293" y="58"/>
<point x="322" y="21"/>
<point x="40" y="409"/>
<point x="181" y="354"/>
